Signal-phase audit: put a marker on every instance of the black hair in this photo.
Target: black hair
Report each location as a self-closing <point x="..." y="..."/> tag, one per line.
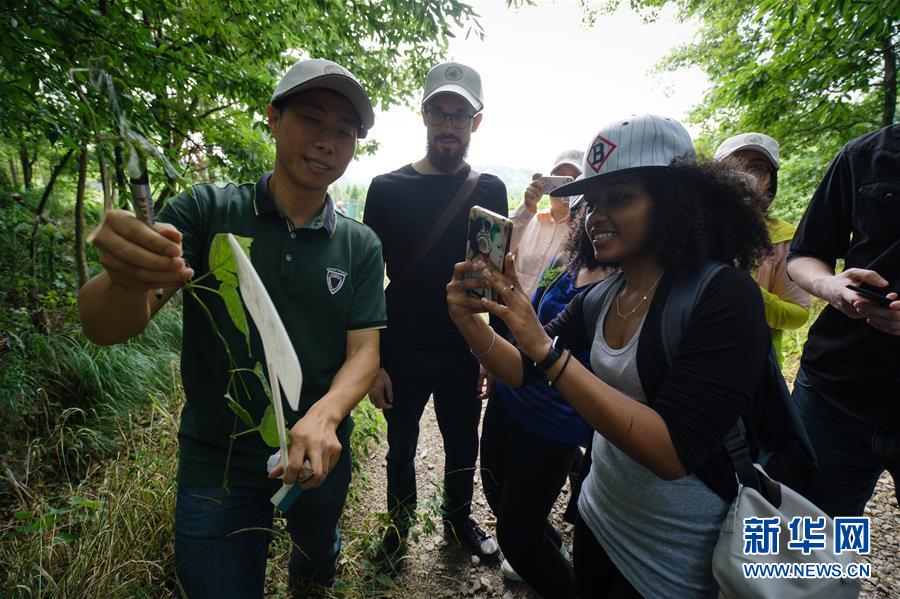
<point x="701" y="212"/>
<point x="704" y="212"/>
<point x="280" y="103"/>
<point x="577" y="247"/>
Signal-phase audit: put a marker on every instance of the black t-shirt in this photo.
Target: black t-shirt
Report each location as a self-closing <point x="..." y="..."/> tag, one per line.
<point x="401" y="207"/>
<point x="855" y="215"/>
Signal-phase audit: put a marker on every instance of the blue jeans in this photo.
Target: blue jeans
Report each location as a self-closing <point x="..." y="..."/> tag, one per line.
<point x="222" y="535"/>
<point x="852" y="454"/>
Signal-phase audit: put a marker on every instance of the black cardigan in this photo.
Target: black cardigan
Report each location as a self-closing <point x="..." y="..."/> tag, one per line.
<point x="715" y="376"/>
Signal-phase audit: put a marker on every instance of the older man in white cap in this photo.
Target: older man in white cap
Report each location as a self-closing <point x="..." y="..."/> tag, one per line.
<point x="787" y="304"/>
<point x="323" y="272"/>
<point x="538" y="234"/>
<point x="420" y="212"/>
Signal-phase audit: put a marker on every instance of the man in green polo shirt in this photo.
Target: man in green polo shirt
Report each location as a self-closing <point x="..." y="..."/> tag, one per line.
<point x="324" y="273"/>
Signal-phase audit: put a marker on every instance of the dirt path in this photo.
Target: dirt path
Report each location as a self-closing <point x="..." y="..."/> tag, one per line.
<point x="435" y="569"/>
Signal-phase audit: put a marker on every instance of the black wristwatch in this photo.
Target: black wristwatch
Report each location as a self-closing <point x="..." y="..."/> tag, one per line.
<point x="552" y="356"/>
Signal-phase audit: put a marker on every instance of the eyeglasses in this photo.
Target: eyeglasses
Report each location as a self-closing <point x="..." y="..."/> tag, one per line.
<point x="757" y="166"/>
<point x="459" y="120"/>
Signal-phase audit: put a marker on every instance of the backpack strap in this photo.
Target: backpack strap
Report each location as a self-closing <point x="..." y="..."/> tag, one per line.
<point x="676" y="316"/>
<point x="593" y="302"/>
<point x="680" y="304"/>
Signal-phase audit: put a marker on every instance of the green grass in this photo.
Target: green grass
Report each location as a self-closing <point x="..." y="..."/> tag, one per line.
<point x="110" y="535"/>
<point x="64" y="399"/>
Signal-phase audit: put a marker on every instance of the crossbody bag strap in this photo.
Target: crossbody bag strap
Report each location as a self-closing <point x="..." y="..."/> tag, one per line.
<point x="440" y="225"/>
<point x="739" y="454"/>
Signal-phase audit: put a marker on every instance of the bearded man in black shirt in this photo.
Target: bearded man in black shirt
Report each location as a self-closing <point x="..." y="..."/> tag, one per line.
<point x="848" y="386"/>
<point x="422" y="352"/>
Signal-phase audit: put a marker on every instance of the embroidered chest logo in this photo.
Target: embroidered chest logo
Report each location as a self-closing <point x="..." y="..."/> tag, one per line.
<point x="335" y="278"/>
<point x="599" y="152"/>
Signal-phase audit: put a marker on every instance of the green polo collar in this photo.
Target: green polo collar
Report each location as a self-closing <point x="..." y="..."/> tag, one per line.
<point x="263" y="202"/>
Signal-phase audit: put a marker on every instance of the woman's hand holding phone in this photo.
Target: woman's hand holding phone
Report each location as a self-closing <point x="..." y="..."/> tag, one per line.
<point x="515" y="310"/>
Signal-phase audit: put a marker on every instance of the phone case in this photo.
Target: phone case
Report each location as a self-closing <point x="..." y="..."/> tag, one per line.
<point x="488" y="237"/>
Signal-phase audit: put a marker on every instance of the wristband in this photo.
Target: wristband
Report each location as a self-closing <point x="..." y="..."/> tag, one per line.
<point x="551" y="357"/>
<point x="561" y="370"/>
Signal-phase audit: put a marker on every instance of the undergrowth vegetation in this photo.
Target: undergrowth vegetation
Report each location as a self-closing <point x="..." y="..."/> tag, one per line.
<point x="87" y="484"/>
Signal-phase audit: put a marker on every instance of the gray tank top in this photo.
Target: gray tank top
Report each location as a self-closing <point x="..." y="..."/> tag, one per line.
<point x="659" y="534"/>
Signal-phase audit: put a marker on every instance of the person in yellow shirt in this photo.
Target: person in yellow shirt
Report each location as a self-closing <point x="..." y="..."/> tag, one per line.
<point x="786" y="304"/>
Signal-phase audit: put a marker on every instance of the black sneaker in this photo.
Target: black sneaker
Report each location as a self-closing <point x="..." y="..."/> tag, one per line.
<point x="391" y="554"/>
<point x="472" y="536"/>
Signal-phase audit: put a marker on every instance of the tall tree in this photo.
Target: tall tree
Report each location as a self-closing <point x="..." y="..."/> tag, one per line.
<point x="811" y="73"/>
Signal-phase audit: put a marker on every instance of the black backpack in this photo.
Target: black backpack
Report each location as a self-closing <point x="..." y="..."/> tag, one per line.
<point x="785" y="450"/>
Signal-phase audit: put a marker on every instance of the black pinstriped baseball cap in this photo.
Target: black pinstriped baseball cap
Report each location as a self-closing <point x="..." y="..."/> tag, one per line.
<point x="631" y="145"/>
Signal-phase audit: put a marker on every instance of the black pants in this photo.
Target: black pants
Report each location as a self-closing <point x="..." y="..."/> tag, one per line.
<point x="523" y="473"/>
<point x="597" y="576"/>
<point x="451" y="377"/>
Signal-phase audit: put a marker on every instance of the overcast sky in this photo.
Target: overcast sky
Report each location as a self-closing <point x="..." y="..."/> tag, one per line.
<point x="549" y="85"/>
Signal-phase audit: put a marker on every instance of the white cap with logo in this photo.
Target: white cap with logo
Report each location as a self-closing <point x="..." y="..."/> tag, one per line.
<point x="750" y="141"/>
<point x="316" y="73"/>
<point x="571" y="157"/>
<point x="631" y="145"/>
<point x="455" y="78"/>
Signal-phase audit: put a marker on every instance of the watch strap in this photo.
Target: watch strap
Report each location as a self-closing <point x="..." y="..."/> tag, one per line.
<point x="552" y="356"/>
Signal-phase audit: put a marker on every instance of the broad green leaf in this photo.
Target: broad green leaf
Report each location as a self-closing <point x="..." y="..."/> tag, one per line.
<point x="258" y="369"/>
<point x="268" y="429"/>
<point x="239" y="410"/>
<point x="235" y="309"/>
<point x="221" y="261"/>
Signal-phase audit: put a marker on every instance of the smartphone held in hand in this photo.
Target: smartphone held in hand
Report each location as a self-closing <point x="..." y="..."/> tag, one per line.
<point x="552" y="182"/>
<point x="488" y="238"/>
<point x="872" y="293"/>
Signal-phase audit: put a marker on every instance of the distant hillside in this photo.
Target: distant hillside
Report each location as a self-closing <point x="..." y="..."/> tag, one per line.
<point x="516" y="179"/>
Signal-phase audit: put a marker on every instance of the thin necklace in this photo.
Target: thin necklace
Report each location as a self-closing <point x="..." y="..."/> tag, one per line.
<point x="643" y="299"/>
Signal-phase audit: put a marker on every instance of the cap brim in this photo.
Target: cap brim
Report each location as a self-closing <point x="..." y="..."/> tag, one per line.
<point x="580" y="186"/>
<point x="577" y="165"/>
<point x="345" y="86"/>
<point x="756" y="147"/>
<point x="453" y="88"/>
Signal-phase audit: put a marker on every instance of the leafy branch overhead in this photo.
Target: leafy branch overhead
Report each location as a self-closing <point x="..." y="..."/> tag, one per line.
<point x="198" y="74"/>
<point x="811" y="73"/>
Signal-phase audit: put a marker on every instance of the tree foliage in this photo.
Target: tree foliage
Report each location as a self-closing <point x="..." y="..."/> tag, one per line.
<point x="196" y="75"/>
<point x="811" y="73"/>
